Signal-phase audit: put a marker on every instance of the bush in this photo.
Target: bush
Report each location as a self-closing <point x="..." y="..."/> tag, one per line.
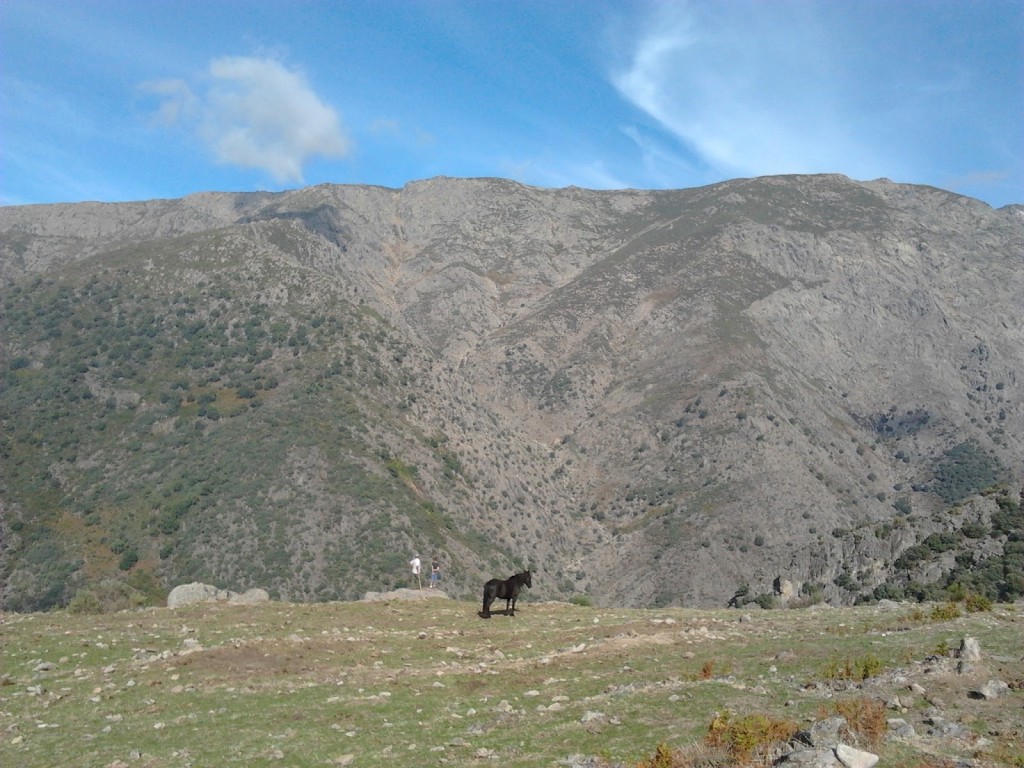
<point x="911" y="556"/>
<point x="975" y="603"/>
<point x="128" y="560"/>
<point x="945" y="612"/>
<point x="964" y="470"/>
<point x="974" y="530"/>
<point x="940" y="542"/>
<point x="865" y="718"/>
<point x="107" y="596"/>
<point x="583" y="601"/>
<point x="750" y="735"/>
<point x="888" y="592"/>
<point x="853" y="669"/>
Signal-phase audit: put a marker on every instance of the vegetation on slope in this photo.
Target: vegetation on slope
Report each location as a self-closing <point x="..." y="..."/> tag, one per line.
<point x="187" y="424"/>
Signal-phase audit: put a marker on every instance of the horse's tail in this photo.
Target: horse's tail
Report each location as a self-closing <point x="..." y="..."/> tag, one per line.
<point x="489" y="593"/>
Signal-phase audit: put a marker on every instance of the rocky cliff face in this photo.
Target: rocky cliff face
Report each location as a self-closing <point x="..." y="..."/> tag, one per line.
<point x="653" y="397"/>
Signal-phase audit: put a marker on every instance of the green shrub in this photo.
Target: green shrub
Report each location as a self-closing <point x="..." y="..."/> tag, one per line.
<point x="750" y="735"/>
<point x="964" y="470"/>
<point x="853" y="669"/>
<point x="975" y="603"/>
<point x="940" y="542"/>
<point x="945" y="612"/>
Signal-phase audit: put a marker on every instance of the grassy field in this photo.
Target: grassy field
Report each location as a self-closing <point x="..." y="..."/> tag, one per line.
<point x="427" y="682"/>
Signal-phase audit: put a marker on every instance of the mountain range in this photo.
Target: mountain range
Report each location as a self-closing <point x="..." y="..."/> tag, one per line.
<point x="782" y="388"/>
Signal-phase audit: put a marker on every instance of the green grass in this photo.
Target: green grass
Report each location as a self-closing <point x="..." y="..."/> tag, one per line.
<point x="426" y="682"/>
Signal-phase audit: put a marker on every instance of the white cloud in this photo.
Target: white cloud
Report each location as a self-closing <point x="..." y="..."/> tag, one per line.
<point x="748" y="88"/>
<point x="255" y="113"/>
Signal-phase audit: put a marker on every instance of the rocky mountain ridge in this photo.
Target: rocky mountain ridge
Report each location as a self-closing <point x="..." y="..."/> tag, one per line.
<point x="651" y="397"/>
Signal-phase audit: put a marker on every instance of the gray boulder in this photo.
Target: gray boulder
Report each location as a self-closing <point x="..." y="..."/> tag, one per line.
<point x="993" y="689"/>
<point x="189" y="594"/>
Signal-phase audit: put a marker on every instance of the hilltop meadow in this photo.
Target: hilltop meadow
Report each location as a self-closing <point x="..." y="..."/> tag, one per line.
<point x="428" y="682"/>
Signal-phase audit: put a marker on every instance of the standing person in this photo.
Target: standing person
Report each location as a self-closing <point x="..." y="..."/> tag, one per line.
<point x="435" y="572"/>
<point x="416" y="565"/>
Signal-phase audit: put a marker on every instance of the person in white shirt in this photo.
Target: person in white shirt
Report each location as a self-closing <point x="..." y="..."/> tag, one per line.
<point x="416" y="566"/>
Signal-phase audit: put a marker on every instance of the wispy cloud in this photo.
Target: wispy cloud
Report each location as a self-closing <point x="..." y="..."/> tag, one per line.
<point x="747" y="88"/>
<point x="254" y="112"/>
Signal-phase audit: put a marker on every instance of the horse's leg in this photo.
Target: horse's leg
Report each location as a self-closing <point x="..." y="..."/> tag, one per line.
<point x="486" y="612"/>
<point x="513" y="606"/>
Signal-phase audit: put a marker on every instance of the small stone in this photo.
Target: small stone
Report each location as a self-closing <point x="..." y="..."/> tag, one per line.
<point x="45" y="666"/>
<point x="900" y="728"/>
<point x="810" y="758"/>
<point x="855" y="758"/>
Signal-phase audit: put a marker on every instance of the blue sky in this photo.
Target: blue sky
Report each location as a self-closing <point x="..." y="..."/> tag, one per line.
<point x="132" y="99"/>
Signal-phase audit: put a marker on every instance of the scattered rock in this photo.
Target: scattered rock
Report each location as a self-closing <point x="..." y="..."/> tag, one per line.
<point x="970" y="650"/>
<point x="855" y="758"/>
<point x="939" y="726"/>
<point x="823" y="733"/>
<point x="900" y="728"/>
<point x="993" y="689"/>
<point x="810" y="758"/>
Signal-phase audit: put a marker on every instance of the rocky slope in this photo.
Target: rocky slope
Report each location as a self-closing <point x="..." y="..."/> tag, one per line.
<point x="652" y="397"/>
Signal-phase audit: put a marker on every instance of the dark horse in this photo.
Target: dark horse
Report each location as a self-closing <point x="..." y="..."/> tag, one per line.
<point x="507" y="590"/>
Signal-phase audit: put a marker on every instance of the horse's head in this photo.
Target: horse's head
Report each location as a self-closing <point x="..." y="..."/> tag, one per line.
<point x="527" y="580"/>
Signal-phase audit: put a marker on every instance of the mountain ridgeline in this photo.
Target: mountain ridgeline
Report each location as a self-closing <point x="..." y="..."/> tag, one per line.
<point x="793" y="388"/>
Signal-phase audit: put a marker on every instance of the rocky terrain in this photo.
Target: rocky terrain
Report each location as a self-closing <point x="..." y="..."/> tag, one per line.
<point x="428" y="682"/>
<point x="770" y="388"/>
